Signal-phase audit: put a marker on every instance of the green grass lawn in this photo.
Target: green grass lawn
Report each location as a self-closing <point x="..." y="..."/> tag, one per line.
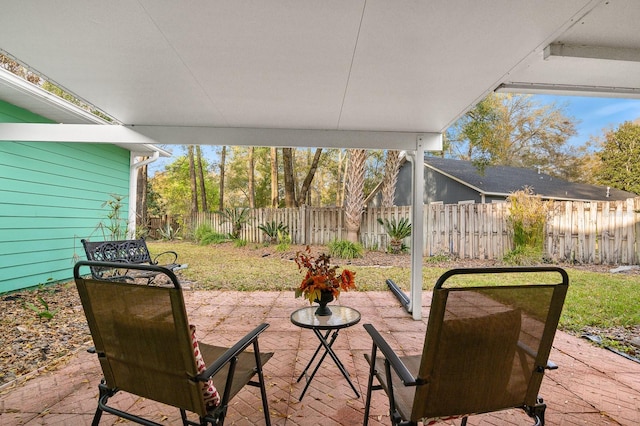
<point x="600" y="300"/>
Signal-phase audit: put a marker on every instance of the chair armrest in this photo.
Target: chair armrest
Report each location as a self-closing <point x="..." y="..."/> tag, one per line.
<point x="398" y="366"/>
<point x="232" y="352"/>
<point x="172" y="253"/>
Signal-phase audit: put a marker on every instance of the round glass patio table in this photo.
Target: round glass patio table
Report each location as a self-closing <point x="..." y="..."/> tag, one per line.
<point x="341" y="317"/>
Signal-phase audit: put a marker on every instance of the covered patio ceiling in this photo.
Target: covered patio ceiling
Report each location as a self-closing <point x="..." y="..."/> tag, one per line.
<point x="370" y="74"/>
<point x="365" y="73"/>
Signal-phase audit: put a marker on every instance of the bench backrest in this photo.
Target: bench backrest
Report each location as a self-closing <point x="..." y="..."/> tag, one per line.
<point x="123" y="251"/>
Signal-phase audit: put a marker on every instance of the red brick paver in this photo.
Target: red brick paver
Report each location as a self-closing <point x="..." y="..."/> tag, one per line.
<point x="593" y="386"/>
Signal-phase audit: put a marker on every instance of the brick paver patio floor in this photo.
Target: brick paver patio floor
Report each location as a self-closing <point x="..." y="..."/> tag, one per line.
<point x="592" y="386"/>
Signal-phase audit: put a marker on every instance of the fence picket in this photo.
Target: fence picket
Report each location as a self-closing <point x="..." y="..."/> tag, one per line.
<point x="589" y="232"/>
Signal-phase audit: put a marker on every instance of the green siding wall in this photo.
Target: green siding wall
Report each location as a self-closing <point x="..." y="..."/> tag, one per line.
<point x="51" y="196"/>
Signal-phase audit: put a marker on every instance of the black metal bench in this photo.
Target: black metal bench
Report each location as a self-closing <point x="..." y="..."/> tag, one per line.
<point x="126" y="252"/>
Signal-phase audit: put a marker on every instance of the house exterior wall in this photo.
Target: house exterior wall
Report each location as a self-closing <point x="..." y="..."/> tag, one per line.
<point x="52" y="196"/>
<point x="438" y="188"/>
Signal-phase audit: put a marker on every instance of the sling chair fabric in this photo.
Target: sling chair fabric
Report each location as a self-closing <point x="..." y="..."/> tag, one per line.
<point x="144" y="344"/>
<point x="486" y="347"/>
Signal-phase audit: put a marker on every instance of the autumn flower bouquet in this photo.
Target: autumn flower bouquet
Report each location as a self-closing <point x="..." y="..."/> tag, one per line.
<point x="321" y="277"/>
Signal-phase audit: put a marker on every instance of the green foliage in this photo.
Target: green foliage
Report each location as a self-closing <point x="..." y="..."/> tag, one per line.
<point x="237" y="218"/>
<point x="514" y="130"/>
<point x="398" y="231"/>
<point x="274" y="230"/>
<point x="172" y="189"/>
<point x="620" y="167"/>
<point x="527" y="217"/>
<point x="345" y="249"/>
<point x="168" y="233"/>
<point x="43" y="310"/>
<point x="284" y="241"/>
<point x="116" y="226"/>
<point x="239" y="242"/>
<point x="438" y="258"/>
<point x="205" y="235"/>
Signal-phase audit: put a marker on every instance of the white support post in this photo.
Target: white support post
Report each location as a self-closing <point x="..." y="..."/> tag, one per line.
<point x="431" y="142"/>
<point x="417" y="212"/>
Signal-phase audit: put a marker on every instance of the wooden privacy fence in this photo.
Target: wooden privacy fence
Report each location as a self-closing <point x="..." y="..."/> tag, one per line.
<point x="582" y="232"/>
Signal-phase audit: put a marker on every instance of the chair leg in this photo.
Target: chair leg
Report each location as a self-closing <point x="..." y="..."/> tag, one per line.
<point x="263" y="389"/>
<point x="372" y="370"/>
<point x="537" y="412"/>
<point x="104" y="392"/>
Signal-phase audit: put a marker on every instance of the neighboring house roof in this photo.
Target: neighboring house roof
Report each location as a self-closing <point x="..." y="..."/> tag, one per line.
<point x="503" y="180"/>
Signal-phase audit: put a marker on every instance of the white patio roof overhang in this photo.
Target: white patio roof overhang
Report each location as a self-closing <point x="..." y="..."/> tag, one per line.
<point x="367" y="74"/>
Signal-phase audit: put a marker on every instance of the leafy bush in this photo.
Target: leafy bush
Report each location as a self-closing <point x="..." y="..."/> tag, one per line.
<point x="168" y="233"/>
<point x="237" y="218"/>
<point x="527" y="217"/>
<point x="284" y="241"/>
<point x="397" y="231"/>
<point x="273" y="231"/>
<point x="205" y="235"/>
<point x="239" y="242"/>
<point x="345" y="249"/>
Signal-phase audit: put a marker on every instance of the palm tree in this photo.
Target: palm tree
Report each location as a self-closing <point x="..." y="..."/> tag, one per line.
<point x="354" y="201"/>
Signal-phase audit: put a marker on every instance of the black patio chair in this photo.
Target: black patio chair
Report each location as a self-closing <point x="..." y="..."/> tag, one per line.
<point x="486" y="348"/>
<point x="146" y="347"/>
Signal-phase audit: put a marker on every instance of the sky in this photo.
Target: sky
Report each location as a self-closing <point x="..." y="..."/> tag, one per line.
<point x="594" y="117"/>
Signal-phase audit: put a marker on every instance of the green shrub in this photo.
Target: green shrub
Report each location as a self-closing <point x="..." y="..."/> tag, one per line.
<point x="274" y="231"/>
<point x="397" y="231"/>
<point x="526" y="220"/>
<point x="284" y="241"/>
<point x="201" y="231"/>
<point x="237" y="218"/>
<point x="345" y="249"/>
<point x="205" y="235"/>
<point x="239" y="242"/>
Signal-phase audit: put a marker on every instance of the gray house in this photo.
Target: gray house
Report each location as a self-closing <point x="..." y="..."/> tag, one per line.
<point x="456" y="181"/>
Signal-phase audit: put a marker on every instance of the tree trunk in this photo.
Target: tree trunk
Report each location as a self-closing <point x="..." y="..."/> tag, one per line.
<point x="223" y="156"/>
<point x="304" y="191"/>
<point x="339" y="199"/>
<point x="141" y="198"/>
<point x="354" y="203"/>
<point x="192" y="177"/>
<point x="274" y="177"/>
<point x="203" y="192"/>
<point x="289" y="181"/>
<point x="251" y="175"/>
<point x="390" y="178"/>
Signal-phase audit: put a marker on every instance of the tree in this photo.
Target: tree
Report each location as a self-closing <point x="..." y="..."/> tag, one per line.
<point x="173" y="188"/>
<point x="274" y="177"/>
<point x="354" y="202"/>
<point x="620" y="167"/>
<point x="203" y="192"/>
<point x="390" y="178"/>
<point x="252" y="179"/>
<point x="514" y="130"/>
<point x="192" y="180"/>
<point x="289" y="180"/>
<point x="306" y="184"/>
<point x="223" y="156"/>
<point x="141" y="198"/>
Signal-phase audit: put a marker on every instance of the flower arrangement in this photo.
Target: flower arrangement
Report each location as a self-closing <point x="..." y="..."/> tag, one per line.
<point x="320" y="276"/>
